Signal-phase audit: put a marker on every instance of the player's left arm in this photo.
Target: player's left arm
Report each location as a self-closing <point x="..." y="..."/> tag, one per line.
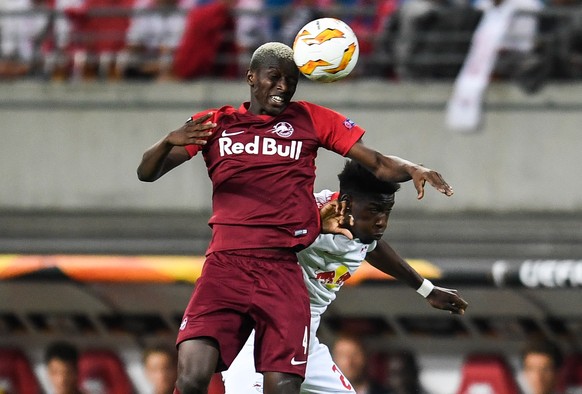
<point x="384" y="258"/>
<point x="396" y="169"/>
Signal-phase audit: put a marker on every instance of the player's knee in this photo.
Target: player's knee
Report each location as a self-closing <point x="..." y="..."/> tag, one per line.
<point x="192" y="383"/>
<point x="281" y="383"/>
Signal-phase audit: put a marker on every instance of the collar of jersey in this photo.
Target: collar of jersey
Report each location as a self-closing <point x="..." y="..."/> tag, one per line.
<point x="244" y="108"/>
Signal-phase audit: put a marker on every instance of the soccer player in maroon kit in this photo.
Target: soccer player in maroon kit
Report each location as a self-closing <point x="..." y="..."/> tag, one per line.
<point x="260" y="159"/>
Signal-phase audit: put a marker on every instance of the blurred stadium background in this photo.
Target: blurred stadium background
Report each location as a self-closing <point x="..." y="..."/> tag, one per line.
<point x="90" y="254"/>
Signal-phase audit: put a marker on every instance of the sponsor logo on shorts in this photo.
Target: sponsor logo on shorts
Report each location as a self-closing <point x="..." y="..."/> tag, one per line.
<point x="295" y="362"/>
<point x="183" y="324"/>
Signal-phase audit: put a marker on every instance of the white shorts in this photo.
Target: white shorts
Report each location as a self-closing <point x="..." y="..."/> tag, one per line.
<point x="322" y="375"/>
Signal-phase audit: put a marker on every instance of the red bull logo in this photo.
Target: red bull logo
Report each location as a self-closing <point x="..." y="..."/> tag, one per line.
<point x="265" y="146"/>
<point x="332" y="278"/>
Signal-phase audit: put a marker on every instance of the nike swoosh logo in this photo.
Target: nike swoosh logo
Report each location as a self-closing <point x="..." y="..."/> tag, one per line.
<point x="293" y="362"/>
<point x="227" y="134"/>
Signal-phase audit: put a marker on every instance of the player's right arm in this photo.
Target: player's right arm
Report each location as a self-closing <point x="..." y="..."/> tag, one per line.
<point x="393" y="168"/>
<point x="170" y="151"/>
<point x="387" y="260"/>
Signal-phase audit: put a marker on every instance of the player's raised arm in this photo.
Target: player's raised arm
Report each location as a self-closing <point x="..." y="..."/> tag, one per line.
<point x="396" y="169"/>
<point x="388" y="261"/>
<point x="170" y="151"/>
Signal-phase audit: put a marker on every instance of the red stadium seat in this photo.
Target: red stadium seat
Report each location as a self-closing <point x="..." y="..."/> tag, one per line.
<point x="206" y="34"/>
<point x="16" y="375"/>
<point x="97" y="37"/>
<point x="570" y="378"/>
<point x="103" y="371"/>
<point x="487" y="374"/>
<point x="98" y="34"/>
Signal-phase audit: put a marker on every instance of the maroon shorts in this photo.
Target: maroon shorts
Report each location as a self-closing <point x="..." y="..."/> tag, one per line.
<point x="242" y="290"/>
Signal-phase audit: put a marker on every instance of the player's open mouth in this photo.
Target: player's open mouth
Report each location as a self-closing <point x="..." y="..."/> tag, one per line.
<point x="277" y="99"/>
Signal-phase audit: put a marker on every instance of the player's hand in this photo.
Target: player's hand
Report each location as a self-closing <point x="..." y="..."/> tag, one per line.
<point x="447" y="299"/>
<point x="335" y="217"/>
<point x="421" y="175"/>
<point x="193" y="132"/>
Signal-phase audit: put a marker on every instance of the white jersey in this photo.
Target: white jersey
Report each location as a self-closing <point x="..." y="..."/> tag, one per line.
<point x="327" y="263"/>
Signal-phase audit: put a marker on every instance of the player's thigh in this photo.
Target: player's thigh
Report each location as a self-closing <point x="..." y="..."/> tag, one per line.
<point x="197" y="358"/>
<point x="323" y="376"/>
<point x="282" y="316"/>
<point x="217" y="307"/>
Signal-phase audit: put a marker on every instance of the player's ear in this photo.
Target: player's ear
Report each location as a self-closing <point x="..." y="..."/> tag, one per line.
<point x="250" y="78"/>
<point x="348" y="199"/>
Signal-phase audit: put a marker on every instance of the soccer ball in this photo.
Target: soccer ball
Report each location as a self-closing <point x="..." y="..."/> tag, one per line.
<point x="326" y="50"/>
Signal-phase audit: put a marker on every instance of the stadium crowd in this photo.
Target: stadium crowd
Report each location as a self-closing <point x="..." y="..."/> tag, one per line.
<point x="187" y="39"/>
<point x="542" y="368"/>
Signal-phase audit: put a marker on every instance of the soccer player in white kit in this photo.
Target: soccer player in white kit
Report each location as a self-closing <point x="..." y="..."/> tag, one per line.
<point x="328" y="262"/>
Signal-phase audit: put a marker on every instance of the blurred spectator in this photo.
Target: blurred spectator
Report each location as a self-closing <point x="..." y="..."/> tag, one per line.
<point x="541" y="363"/>
<point x="22" y="36"/>
<point x="370" y="20"/>
<point x="152" y="38"/>
<point x="423" y="37"/>
<point x="207" y="47"/>
<point x="403" y="374"/>
<point x="58" y="60"/>
<point x="98" y="29"/>
<point x="61" y="359"/>
<point x="562" y="30"/>
<point x="160" y="365"/>
<point x="516" y="56"/>
<point x="507" y="32"/>
<point x="351" y="357"/>
<point x="253" y="28"/>
<point x="300" y="13"/>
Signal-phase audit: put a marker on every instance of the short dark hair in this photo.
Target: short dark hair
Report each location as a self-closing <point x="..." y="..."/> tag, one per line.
<point x="356" y="179"/>
<point x="63" y="351"/>
<point x="544" y="346"/>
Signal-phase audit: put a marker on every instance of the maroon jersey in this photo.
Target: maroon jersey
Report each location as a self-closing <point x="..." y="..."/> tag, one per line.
<point x="263" y="170"/>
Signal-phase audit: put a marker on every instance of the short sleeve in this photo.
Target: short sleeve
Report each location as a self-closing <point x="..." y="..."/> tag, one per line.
<point x="335" y="131"/>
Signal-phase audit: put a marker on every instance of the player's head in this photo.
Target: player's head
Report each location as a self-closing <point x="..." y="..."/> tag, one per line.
<point x="350" y="356"/>
<point x="541" y="360"/>
<point x="160" y="364"/>
<point x="61" y="360"/>
<point x="273" y="77"/>
<point x="403" y="371"/>
<point x="370" y="201"/>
